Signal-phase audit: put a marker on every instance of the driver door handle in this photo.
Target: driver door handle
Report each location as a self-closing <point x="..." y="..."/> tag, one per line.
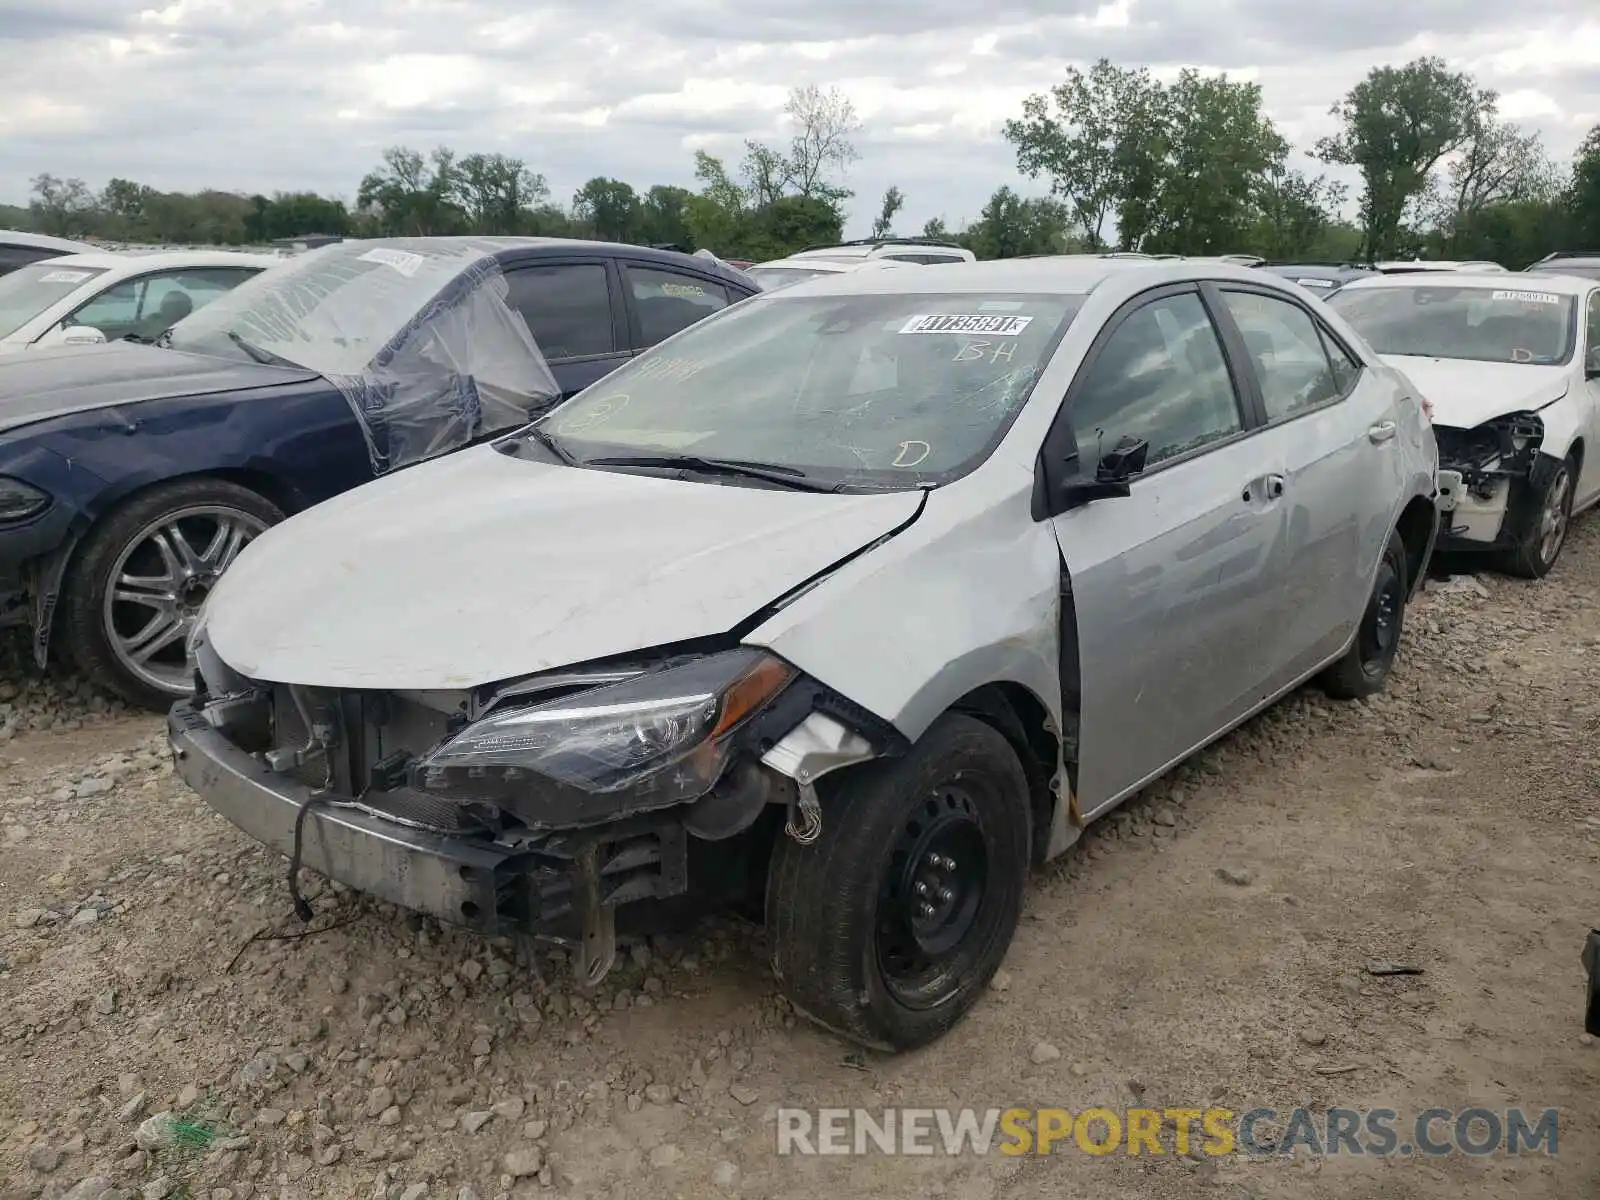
<point x="1382" y="431"/>
<point x="1274" y="487"/>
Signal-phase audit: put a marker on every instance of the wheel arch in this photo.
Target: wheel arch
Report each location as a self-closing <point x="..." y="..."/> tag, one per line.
<point x="1417" y="527"/>
<point x="52" y="570"/>
<point x="1023" y="719"/>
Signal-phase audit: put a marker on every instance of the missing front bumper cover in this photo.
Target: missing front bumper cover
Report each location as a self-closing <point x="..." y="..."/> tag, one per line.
<point x="562" y="888"/>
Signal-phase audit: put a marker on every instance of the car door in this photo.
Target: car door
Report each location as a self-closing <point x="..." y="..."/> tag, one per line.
<point x="1331" y="437"/>
<point x="574" y="311"/>
<point x="662" y="301"/>
<point x="1170" y="582"/>
<point x="1588" y="484"/>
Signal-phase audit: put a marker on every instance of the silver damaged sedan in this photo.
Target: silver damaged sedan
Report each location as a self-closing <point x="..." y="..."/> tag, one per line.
<point x="846" y="605"/>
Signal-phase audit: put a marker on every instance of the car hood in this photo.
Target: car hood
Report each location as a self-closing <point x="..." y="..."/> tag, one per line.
<point x="59" y="380"/>
<point x="1466" y="394"/>
<point x="481" y="567"/>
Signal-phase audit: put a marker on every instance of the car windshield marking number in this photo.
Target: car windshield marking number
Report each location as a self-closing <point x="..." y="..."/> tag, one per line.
<point x="980" y="351"/>
<point x="1315" y="282"/>
<point x="401" y="260"/>
<point x="678" y="369"/>
<point x="66" y="276"/>
<point x="900" y="459"/>
<point x="1528" y="297"/>
<point x="991" y="323"/>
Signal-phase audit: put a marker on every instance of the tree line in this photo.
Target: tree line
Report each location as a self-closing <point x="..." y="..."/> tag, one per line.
<point x="1194" y="166"/>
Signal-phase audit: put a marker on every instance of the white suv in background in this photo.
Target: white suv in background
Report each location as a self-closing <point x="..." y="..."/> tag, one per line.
<point x="927" y="251"/>
<point x="781" y="272"/>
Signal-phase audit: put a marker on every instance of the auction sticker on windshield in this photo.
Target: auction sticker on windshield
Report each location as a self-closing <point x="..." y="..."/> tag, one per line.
<point x="401" y="260"/>
<point x="1001" y="325"/>
<point x="66" y="276"/>
<point x="1528" y="297"/>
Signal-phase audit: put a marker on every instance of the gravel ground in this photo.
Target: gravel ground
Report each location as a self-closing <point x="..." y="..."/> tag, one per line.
<point x="1205" y="945"/>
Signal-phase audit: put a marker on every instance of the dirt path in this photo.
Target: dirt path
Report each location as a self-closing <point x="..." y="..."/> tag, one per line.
<point x="1452" y="824"/>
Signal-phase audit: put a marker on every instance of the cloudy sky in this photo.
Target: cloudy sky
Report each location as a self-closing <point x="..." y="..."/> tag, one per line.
<point x="260" y="95"/>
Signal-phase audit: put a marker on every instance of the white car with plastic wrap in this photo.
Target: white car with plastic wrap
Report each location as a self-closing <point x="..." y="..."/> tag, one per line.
<point x="1510" y="367"/>
<point x="85" y="299"/>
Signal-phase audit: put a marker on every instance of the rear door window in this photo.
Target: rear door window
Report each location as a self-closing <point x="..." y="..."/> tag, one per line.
<point x="668" y="301"/>
<point x="567" y="307"/>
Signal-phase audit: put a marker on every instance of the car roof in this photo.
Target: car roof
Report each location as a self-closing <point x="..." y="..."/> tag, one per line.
<point x="42" y="241"/>
<point x="116" y="260"/>
<point x="1563" y="285"/>
<point x="507" y="250"/>
<point x="1066" y="274"/>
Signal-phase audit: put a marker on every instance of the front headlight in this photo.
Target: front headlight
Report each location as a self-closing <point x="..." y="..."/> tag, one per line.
<point x="19" y="501"/>
<point x="664" y="736"/>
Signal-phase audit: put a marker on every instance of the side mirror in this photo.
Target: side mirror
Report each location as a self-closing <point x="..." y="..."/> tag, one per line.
<point x="1117" y="466"/>
<point x="72" y="335"/>
<point x="1123" y="461"/>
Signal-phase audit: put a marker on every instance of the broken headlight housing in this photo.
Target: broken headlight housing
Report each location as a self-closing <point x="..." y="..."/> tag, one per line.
<point x="664" y="736"/>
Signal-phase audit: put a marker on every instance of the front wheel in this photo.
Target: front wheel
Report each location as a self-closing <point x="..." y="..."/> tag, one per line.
<point x="1365" y="667"/>
<point x="1540" y="528"/>
<point x="136" y="584"/>
<point x="888" y="927"/>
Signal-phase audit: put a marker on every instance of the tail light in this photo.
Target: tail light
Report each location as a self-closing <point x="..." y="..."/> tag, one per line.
<point x="1427" y="409"/>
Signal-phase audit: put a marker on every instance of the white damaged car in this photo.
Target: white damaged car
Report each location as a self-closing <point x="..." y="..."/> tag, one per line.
<point x="853" y="601"/>
<point x="1510" y="366"/>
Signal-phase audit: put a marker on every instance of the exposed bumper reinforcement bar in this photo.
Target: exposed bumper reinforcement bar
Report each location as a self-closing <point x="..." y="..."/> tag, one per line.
<point x="554" y="888"/>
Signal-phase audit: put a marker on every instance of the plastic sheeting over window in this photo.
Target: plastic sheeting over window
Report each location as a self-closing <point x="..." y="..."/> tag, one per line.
<point x="415" y="332"/>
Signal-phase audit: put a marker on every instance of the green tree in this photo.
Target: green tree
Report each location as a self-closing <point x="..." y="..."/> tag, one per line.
<point x="497" y="193"/>
<point x="663" y="216"/>
<point x="1297" y="218"/>
<point x="1397" y="125"/>
<point x="63" y="207"/>
<point x="1011" y="226"/>
<point x="893" y="201"/>
<point x="1093" y="137"/>
<point x="609" y="209"/>
<point x="412" y="195"/>
<point x="1213" y="152"/>
<point x="1583" y="195"/>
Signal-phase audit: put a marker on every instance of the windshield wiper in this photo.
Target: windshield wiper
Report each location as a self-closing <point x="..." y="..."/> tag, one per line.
<point x="787" y="477"/>
<point x="265" y="357"/>
<point x="549" y="442"/>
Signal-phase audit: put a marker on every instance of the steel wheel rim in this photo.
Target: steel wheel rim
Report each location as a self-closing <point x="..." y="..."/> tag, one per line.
<point x="1553" y="519"/>
<point x="935" y="904"/>
<point x="1380" y="630"/>
<point x="158" y="583"/>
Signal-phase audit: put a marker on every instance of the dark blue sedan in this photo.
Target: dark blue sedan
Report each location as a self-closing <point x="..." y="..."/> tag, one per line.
<point x="132" y="475"/>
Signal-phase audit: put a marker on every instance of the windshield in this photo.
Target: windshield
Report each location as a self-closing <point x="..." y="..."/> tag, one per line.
<point x="875" y="390"/>
<point x="28" y="291"/>
<point x="776" y="277"/>
<point x="1475" y="324"/>
<point x="331" y="309"/>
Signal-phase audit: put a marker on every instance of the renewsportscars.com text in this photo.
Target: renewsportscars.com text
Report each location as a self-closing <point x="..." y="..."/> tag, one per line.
<point x="1212" y="1132"/>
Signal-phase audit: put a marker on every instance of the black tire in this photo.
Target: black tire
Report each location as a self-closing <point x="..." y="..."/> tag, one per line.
<point x="1364" y="669"/>
<point x="84" y="623"/>
<point x="1539" y="530"/>
<point x="841" y="947"/>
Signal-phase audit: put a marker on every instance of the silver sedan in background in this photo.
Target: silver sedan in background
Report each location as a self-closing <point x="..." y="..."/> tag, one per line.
<point x="851" y="602"/>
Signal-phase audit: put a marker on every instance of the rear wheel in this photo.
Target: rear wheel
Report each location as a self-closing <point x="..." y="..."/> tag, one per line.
<point x="1365" y="667"/>
<point x="137" y="583"/>
<point x="1540" y="529"/>
<point x="888" y="927"/>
